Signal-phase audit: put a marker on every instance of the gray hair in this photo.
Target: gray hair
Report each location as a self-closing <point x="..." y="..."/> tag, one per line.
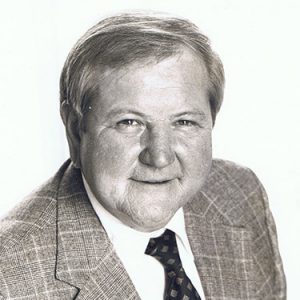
<point x="123" y="39"/>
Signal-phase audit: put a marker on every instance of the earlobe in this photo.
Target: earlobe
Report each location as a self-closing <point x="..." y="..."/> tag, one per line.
<point x="71" y="123"/>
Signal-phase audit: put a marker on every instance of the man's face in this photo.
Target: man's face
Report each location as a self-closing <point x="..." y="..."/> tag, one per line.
<point x="146" y="148"/>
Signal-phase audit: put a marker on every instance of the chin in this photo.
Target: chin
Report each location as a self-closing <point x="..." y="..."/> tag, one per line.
<point x="148" y="226"/>
<point x="150" y="218"/>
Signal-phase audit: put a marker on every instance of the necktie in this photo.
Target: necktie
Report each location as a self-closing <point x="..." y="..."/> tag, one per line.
<point x="178" y="285"/>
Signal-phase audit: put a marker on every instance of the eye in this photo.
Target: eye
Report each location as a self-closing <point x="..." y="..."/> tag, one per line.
<point x="185" y="123"/>
<point x="129" y="126"/>
<point x="128" y="122"/>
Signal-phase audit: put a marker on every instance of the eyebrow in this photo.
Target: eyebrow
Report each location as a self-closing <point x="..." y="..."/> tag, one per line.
<point x="196" y="113"/>
<point x="120" y="111"/>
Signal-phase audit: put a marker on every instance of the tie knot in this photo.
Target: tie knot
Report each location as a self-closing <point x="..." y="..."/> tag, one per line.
<point x="164" y="249"/>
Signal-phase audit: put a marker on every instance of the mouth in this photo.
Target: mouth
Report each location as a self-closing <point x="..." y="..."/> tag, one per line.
<point x="153" y="182"/>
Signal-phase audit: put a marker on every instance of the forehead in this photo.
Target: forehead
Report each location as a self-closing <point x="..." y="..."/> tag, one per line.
<point x="186" y="62"/>
<point x="179" y="80"/>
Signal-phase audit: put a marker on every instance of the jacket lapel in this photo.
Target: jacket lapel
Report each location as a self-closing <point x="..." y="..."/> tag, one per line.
<point x="221" y="248"/>
<point x="222" y="257"/>
<point x="85" y="257"/>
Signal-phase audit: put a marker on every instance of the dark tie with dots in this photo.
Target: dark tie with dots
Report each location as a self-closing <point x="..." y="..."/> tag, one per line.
<point x="178" y="285"/>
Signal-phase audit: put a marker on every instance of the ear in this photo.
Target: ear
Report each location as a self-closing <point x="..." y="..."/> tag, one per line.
<point x="70" y="120"/>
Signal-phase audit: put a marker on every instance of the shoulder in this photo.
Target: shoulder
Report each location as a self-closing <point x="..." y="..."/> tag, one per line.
<point x="24" y="234"/>
<point x="28" y="244"/>
<point x="36" y="212"/>
<point x="233" y="174"/>
<point x="230" y="179"/>
<point x="234" y="194"/>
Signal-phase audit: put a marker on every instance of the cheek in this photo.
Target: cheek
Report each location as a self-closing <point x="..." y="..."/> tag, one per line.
<point x="196" y="156"/>
<point x="196" y="148"/>
<point x="108" y="153"/>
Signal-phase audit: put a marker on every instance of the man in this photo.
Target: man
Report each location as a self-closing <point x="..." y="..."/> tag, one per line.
<point x="139" y="98"/>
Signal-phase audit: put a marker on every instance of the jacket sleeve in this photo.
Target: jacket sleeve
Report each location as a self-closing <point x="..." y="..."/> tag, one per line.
<point x="270" y="283"/>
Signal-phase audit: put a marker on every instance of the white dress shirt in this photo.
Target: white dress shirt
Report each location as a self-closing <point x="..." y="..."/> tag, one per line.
<point x="146" y="273"/>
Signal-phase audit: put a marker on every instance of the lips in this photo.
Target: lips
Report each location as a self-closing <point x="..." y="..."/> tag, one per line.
<point x="152" y="181"/>
<point x="155" y="176"/>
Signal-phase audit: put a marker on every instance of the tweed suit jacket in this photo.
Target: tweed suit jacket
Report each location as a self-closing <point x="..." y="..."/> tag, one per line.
<point x="53" y="246"/>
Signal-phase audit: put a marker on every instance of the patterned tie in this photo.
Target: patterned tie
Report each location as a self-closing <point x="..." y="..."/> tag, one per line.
<point x="178" y="285"/>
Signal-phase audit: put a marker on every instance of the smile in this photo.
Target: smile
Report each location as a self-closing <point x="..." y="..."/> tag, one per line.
<point x="153" y="182"/>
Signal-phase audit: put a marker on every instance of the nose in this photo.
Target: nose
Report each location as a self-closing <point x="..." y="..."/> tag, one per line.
<point x="158" y="152"/>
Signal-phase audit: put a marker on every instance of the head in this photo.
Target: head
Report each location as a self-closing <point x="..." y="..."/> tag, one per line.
<point x="139" y="97"/>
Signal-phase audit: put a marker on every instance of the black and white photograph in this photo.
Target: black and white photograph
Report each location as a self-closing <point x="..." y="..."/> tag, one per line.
<point x="150" y="150"/>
